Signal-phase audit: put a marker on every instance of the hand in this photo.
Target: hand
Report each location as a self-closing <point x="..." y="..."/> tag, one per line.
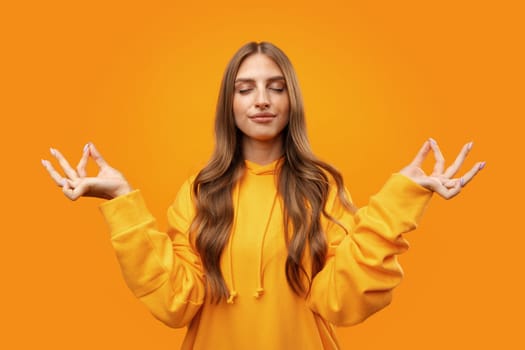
<point x="441" y="181"/>
<point x="109" y="182"/>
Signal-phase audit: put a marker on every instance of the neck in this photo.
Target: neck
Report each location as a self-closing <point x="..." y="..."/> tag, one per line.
<point x="262" y="152"/>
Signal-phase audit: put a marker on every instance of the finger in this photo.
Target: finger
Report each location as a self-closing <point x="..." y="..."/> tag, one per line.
<point x="76" y="189"/>
<point x="440" y="160"/>
<point x="68" y="170"/>
<point x="472" y="172"/>
<point x="447" y="190"/>
<point x="451" y="192"/>
<point x="449" y="183"/>
<point x="87" y="187"/>
<point x="421" y="154"/>
<point x="97" y="157"/>
<point x="68" y="190"/>
<point x="453" y="169"/>
<point x="59" y="180"/>
<point x="81" y="167"/>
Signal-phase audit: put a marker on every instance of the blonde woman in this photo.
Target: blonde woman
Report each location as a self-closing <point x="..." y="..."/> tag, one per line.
<point x="265" y="249"/>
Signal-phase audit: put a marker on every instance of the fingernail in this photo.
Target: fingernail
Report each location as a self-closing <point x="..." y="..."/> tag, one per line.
<point x="461" y="182"/>
<point x="86" y="147"/>
<point x="52" y="151"/>
<point x="470" y="145"/>
<point x="44" y="163"/>
<point x="482" y="165"/>
<point x="62" y="182"/>
<point x="432" y="141"/>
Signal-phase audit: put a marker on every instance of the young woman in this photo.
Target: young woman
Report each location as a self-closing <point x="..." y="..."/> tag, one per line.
<point x="264" y="249"/>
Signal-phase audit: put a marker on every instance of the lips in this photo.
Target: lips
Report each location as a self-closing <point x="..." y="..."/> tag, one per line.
<point x="262" y="117"/>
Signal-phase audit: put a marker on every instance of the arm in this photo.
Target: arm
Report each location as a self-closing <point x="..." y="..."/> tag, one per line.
<point x="162" y="271"/>
<point x="361" y="268"/>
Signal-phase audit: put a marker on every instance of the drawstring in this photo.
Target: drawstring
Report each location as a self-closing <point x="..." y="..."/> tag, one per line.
<point x="260" y="289"/>
<point x="233" y="292"/>
<point x="231" y="298"/>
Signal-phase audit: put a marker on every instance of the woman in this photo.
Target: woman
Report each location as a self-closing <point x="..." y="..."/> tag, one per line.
<point x="264" y="250"/>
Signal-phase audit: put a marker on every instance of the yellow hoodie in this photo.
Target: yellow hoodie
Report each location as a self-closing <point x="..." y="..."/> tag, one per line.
<point x="361" y="270"/>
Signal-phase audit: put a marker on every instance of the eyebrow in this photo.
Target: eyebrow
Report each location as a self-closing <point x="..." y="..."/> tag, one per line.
<point x="251" y="80"/>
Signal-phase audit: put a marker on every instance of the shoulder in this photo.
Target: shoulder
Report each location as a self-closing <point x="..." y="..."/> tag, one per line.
<point x="182" y="209"/>
<point x="187" y="186"/>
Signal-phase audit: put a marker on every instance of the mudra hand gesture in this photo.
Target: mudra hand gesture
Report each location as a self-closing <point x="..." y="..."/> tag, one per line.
<point x="441" y="181"/>
<point x="109" y="182"/>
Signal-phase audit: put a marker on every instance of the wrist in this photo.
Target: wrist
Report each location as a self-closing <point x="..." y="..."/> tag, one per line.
<point x="122" y="190"/>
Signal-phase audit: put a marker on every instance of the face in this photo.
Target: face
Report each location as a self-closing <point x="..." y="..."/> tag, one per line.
<point x="260" y="102"/>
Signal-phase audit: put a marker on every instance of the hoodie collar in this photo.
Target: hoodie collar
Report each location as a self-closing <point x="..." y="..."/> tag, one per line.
<point x="267" y="169"/>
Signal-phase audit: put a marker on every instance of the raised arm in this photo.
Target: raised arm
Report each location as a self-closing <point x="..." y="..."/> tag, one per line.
<point x="160" y="268"/>
<point x="362" y="268"/>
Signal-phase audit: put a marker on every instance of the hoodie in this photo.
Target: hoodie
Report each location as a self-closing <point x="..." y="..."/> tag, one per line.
<point x="165" y="273"/>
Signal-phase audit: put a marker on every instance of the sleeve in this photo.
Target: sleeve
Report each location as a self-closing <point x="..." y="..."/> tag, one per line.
<point x="161" y="269"/>
<point x="361" y="269"/>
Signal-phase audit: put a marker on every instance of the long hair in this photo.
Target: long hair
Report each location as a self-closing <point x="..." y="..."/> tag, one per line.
<point x="303" y="184"/>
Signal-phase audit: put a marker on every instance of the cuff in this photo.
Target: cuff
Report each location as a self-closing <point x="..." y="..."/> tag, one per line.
<point x="125" y="211"/>
<point x="404" y="199"/>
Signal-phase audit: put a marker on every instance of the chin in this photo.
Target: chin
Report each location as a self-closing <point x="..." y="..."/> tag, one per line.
<point x="264" y="137"/>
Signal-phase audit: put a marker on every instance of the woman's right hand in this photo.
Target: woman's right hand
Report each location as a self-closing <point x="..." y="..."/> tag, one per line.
<point x="108" y="184"/>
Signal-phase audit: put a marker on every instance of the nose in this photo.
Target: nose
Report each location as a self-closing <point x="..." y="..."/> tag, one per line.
<point x="262" y="100"/>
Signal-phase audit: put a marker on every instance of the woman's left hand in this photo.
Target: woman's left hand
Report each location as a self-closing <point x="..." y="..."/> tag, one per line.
<point x="441" y="181"/>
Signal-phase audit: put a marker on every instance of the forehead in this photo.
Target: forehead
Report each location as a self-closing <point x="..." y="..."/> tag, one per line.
<point x="258" y="66"/>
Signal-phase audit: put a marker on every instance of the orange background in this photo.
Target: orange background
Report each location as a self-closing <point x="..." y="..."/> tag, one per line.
<point x="141" y="82"/>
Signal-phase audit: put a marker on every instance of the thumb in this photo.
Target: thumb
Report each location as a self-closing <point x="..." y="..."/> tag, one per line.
<point x="97" y="157"/>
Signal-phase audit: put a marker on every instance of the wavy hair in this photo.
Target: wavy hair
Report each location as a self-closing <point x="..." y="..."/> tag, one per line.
<point x="303" y="184"/>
